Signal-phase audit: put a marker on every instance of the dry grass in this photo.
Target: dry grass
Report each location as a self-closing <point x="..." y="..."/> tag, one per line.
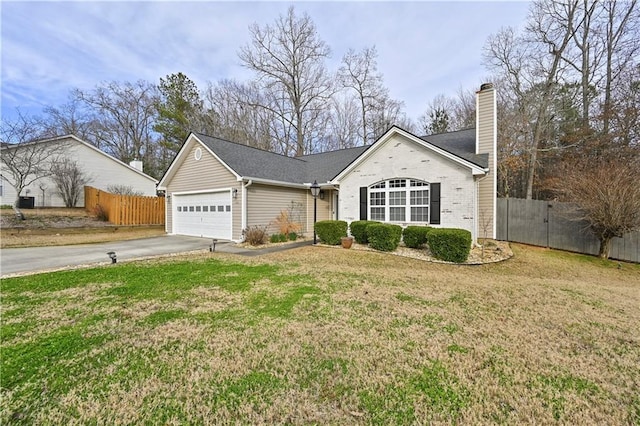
<point x="322" y="336"/>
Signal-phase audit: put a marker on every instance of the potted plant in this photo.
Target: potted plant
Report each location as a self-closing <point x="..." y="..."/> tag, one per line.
<point x="346" y="242"/>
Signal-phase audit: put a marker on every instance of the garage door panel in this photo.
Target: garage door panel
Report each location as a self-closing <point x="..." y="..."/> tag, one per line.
<point x="203" y="215"/>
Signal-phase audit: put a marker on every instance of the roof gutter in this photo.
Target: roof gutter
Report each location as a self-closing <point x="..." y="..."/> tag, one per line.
<point x="272" y="182"/>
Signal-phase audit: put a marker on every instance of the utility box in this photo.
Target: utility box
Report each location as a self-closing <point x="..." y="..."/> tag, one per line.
<point x="27" y="202"/>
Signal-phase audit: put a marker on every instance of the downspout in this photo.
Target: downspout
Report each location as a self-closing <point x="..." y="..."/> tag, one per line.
<point x="476" y="212"/>
<point x="244" y="203"/>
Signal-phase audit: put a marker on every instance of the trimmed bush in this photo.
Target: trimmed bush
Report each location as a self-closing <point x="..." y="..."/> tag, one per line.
<point x="292" y="236"/>
<point x="330" y="231"/>
<point x="449" y="244"/>
<point x="255" y="235"/>
<point x="358" y="229"/>
<point x="415" y="236"/>
<point x="384" y="236"/>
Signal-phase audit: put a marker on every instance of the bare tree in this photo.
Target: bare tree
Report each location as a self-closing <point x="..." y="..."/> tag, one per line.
<point x="123" y="190"/>
<point x="531" y="65"/>
<point x="234" y="110"/>
<point x="69" y="119"/>
<point x="449" y="113"/>
<point x="124" y="114"/>
<point x="24" y="161"/>
<point x="359" y="73"/>
<point x="621" y="44"/>
<point x="344" y="123"/>
<point x="288" y="59"/>
<point x="70" y="180"/>
<point x="606" y="192"/>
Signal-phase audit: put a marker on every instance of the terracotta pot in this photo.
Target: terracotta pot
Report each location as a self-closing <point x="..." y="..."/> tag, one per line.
<point x="346" y="242"/>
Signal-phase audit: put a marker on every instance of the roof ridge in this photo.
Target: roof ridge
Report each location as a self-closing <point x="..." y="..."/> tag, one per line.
<point x="335" y="150"/>
<point x="446" y="133"/>
<point x="247" y="146"/>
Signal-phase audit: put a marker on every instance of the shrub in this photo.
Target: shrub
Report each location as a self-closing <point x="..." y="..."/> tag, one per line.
<point x="288" y="220"/>
<point x="415" y="236"/>
<point x="330" y="231"/>
<point x="292" y="236"/>
<point x="101" y="213"/>
<point x="358" y="229"/>
<point x="449" y="244"/>
<point x="384" y="236"/>
<point x="255" y="235"/>
<point x="274" y="238"/>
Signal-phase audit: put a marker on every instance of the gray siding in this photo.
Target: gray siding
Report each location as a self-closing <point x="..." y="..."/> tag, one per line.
<point x="265" y="202"/>
<point x="204" y="174"/>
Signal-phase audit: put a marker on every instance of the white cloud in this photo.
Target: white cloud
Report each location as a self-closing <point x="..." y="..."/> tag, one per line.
<point x="425" y="48"/>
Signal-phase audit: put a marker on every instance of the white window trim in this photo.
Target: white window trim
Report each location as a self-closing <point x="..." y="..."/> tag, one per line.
<point x="384" y="187"/>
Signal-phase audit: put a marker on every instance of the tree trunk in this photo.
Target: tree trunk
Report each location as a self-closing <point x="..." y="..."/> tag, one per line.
<point x="605" y="247"/>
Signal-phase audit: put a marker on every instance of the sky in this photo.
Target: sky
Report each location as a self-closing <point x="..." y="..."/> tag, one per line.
<point x="425" y="48"/>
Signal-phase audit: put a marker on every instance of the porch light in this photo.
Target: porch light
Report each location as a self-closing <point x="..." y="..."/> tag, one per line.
<point x="315" y="190"/>
<point x="235" y="192"/>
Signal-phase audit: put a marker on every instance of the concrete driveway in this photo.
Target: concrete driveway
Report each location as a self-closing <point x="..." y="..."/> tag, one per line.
<point x="34" y="259"/>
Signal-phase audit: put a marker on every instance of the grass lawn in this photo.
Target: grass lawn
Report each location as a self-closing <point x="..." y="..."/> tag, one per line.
<point x="324" y="336"/>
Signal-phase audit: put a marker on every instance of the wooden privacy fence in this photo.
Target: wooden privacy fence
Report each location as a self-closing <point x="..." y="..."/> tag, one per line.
<point x="549" y="224"/>
<point x="126" y="209"/>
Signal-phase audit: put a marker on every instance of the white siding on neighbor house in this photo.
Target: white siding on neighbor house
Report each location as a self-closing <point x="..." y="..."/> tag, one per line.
<point x="399" y="157"/>
<point x="101" y="169"/>
<point x="206" y="174"/>
<point x="265" y="202"/>
<point x="7" y="191"/>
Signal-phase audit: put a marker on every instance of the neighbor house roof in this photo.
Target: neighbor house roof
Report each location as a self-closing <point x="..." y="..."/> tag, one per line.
<point x="76" y="139"/>
<point x="254" y="163"/>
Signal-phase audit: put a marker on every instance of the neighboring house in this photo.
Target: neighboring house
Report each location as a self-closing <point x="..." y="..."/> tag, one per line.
<point x="102" y="170"/>
<point x="216" y="188"/>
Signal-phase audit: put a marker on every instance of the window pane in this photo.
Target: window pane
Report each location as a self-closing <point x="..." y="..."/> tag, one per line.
<point x="419" y="197"/>
<point x="190" y="208"/>
<point x="377" y="199"/>
<point x="377" y="213"/>
<point x="228" y="208"/>
<point x="397" y="198"/>
<point x="205" y="208"/>
<point x="419" y="214"/>
<point x="198" y="208"/>
<point x="397" y="183"/>
<point x="397" y="214"/>
<point x="220" y="208"/>
<point x="379" y="185"/>
<point x="418" y="183"/>
<point x="179" y="208"/>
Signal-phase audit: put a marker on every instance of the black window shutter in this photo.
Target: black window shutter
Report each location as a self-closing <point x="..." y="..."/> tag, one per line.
<point x="363" y="203"/>
<point x="434" y="205"/>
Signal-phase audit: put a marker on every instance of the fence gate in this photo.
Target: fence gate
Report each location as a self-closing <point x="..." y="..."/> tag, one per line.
<point x="550" y="224"/>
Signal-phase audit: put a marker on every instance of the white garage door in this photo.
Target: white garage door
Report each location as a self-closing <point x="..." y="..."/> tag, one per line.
<point x="203" y="215"/>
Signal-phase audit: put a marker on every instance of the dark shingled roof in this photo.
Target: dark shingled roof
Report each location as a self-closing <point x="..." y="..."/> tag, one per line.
<point x="252" y="162"/>
<point x="461" y="143"/>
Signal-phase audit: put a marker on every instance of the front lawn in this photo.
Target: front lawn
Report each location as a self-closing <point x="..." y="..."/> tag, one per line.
<point x="322" y="336"/>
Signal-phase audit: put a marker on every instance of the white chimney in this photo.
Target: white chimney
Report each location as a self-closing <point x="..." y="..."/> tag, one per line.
<point x="136" y="164"/>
